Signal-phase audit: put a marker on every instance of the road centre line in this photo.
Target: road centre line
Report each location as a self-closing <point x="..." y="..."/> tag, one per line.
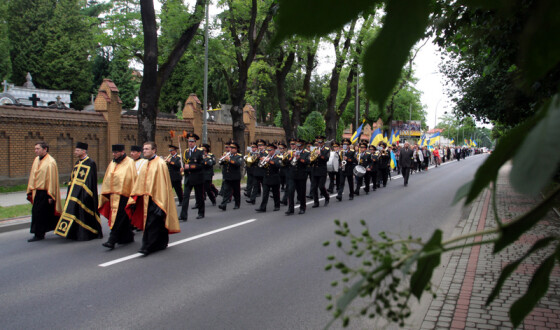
<point x="136" y="255"/>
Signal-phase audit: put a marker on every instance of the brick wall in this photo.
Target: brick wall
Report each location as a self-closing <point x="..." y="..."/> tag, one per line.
<point x="22" y="127"/>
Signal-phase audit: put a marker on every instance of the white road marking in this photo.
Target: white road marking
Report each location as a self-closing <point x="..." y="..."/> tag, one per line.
<point x="136" y="255"/>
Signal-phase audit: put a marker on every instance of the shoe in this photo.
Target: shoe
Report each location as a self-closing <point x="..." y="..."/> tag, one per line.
<point x="351" y="197"/>
<point x="284" y="203"/>
<point x="276" y="208"/>
<point x="250" y="201"/>
<point x="144" y="252"/>
<point x="356" y="193"/>
<point x="289" y="213"/>
<point x="301" y="211"/>
<point x="339" y="198"/>
<point x="330" y="191"/>
<point x="236" y="207"/>
<point x="327" y="201"/>
<point x="200" y="216"/>
<point x="259" y="210"/>
<point x="109" y="245"/>
<point x="213" y="203"/>
<point x="315" y="205"/>
<point x="309" y="197"/>
<point x="183" y="219"/>
<point x="194" y="207"/>
<point x="35" y="239"/>
<point x="222" y="207"/>
<point x="406" y="184"/>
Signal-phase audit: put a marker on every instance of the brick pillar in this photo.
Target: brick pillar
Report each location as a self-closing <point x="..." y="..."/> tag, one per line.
<point x="193" y="112"/>
<point x="250" y="121"/>
<point x="109" y="104"/>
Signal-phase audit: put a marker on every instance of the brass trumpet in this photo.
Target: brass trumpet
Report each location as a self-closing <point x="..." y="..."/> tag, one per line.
<point x="222" y="159"/>
<point x="264" y="163"/>
<point x="314" y="155"/>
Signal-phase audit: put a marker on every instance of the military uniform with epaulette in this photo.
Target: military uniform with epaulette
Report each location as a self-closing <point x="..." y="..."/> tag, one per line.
<point x="299" y="177"/>
<point x="193" y="160"/>
<point x="363" y="159"/>
<point x="271" y="182"/>
<point x="231" y="179"/>
<point x="209" y="162"/>
<point x="320" y="173"/>
<point x="347" y="172"/>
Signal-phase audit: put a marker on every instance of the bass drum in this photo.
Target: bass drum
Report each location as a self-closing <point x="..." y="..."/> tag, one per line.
<point x="359" y="171"/>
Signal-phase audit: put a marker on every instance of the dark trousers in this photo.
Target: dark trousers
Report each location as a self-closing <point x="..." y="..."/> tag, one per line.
<point x="359" y="182"/>
<point x="334" y="178"/>
<point x="318" y="184"/>
<point x="199" y="198"/>
<point x="121" y="231"/>
<point x="178" y="190"/>
<point x="258" y="181"/>
<point x="42" y="214"/>
<point x="405" y="174"/>
<point x="156" y="236"/>
<point x="209" y="191"/>
<point x="299" y="187"/>
<point x="346" y="177"/>
<point x="384" y="175"/>
<point x="275" y="195"/>
<point x="282" y="181"/>
<point x="289" y="185"/>
<point x="367" y="179"/>
<point x="249" y="185"/>
<point x="231" y="187"/>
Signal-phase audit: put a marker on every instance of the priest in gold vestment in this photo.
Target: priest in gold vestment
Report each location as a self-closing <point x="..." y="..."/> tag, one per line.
<point x="43" y="192"/>
<point x="151" y="206"/>
<point x="115" y="191"/>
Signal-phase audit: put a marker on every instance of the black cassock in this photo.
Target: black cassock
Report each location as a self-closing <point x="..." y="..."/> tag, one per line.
<point x="80" y="218"/>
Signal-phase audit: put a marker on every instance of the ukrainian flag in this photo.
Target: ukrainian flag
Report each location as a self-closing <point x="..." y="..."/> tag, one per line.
<point x="452" y="141"/>
<point x="434" y="138"/>
<point x="376" y="137"/>
<point x="393" y="160"/>
<point x="357" y="133"/>
<point x="385" y="138"/>
<point x="474" y="143"/>
<point x="398" y="136"/>
<point x="392" y="139"/>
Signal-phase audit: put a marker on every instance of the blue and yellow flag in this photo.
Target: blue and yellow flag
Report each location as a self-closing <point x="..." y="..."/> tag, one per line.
<point x="466" y="142"/>
<point x="474" y="143"/>
<point x="357" y="133"/>
<point x="452" y="141"/>
<point x="393" y="160"/>
<point x="398" y="136"/>
<point x="434" y="138"/>
<point x="385" y="138"/>
<point x="392" y="138"/>
<point x="376" y="137"/>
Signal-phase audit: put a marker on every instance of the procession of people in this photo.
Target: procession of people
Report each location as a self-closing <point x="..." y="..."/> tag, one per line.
<point x="137" y="190"/>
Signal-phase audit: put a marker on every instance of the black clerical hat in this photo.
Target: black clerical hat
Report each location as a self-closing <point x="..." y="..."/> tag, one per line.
<point x="82" y="145"/>
<point x="117" y="147"/>
<point x="136" y="148"/>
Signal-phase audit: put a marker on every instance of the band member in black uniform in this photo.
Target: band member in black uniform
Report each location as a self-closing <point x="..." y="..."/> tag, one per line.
<point x="299" y="162"/>
<point x="289" y="172"/>
<point x="374" y="167"/>
<point x="258" y="173"/>
<point x="226" y="151"/>
<point x="282" y="147"/>
<point x="321" y="156"/>
<point x="193" y="158"/>
<point x="209" y="161"/>
<point x="271" y="181"/>
<point x="250" y="166"/>
<point x="384" y="163"/>
<point x="174" y="166"/>
<point x="364" y="159"/>
<point x="232" y="164"/>
<point x="309" y="170"/>
<point x="332" y="167"/>
<point x="347" y="163"/>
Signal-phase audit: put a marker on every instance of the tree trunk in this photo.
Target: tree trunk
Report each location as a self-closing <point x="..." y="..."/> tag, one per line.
<point x="281" y="73"/>
<point x="153" y="80"/>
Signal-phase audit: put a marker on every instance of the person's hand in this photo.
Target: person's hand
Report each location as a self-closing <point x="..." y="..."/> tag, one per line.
<point x="50" y="200"/>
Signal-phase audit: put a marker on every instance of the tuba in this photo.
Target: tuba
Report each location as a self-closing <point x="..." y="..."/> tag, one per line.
<point x="314" y="155"/>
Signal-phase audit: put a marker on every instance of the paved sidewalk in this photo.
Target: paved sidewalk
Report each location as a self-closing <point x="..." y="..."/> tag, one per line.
<point x="471" y="273"/>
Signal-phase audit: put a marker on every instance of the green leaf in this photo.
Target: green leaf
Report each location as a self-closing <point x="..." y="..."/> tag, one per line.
<point x="405" y="24"/>
<point x="485" y="4"/>
<point x="513" y="230"/>
<point x="539" y="53"/>
<point x="529" y="175"/>
<point x="309" y="18"/>
<point x="537" y="289"/>
<point x="506" y="272"/>
<point x="507" y="147"/>
<point x="462" y="192"/>
<point x="347" y="298"/>
<point x="426" y="265"/>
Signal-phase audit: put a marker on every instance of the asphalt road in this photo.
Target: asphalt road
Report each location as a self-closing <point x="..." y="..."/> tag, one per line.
<point x="265" y="273"/>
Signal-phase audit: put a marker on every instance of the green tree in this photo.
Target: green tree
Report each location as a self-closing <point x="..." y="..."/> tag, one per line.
<point x="121" y="74"/>
<point x="314" y="125"/>
<point x="28" y="37"/>
<point x="5" y="62"/>
<point x="65" y="55"/>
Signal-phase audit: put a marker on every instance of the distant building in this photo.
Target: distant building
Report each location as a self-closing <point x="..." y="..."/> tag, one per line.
<point x="28" y="94"/>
